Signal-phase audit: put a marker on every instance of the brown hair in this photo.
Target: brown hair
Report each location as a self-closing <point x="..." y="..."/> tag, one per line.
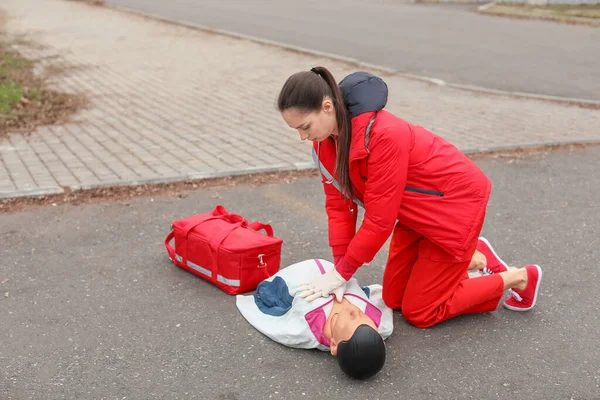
<point x="306" y="91"/>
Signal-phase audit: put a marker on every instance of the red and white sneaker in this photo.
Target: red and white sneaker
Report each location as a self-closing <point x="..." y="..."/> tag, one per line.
<point x="495" y="265"/>
<point x="524" y="300"/>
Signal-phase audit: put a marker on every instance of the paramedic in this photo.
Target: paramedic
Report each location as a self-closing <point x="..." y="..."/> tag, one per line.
<point x="414" y="185"/>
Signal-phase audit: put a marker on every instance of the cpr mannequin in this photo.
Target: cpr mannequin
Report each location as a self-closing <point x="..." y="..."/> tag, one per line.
<point x="352" y="329"/>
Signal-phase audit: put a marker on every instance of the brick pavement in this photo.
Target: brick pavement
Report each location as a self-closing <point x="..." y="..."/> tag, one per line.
<point x="170" y="103"/>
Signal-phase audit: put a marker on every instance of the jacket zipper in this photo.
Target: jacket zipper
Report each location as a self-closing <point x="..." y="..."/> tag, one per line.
<point x="424" y="191"/>
<point x="416" y="190"/>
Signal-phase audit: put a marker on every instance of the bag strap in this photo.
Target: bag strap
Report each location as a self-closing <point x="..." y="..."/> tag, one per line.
<point x="328" y="176"/>
<point x="194" y="222"/>
<point x="368" y="132"/>
<point x="257" y="226"/>
<point x="215" y="243"/>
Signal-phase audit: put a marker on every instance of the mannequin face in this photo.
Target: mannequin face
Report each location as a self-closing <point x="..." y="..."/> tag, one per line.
<point x="344" y="323"/>
<point x="313" y="125"/>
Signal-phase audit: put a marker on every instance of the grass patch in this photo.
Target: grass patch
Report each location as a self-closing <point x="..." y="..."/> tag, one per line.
<point x="92" y="2"/>
<point x="559" y="12"/>
<point x="25" y="101"/>
<point x="10" y="94"/>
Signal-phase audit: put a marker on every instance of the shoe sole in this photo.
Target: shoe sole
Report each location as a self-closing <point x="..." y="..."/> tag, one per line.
<point x="494" y="252"/>
<point x="537" y="290"/>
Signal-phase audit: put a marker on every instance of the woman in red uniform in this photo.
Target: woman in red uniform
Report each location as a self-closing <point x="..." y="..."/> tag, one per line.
<point x="413" y="185"/>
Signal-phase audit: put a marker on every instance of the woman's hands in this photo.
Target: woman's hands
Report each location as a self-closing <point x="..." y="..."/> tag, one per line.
<point x="323" y="286"/>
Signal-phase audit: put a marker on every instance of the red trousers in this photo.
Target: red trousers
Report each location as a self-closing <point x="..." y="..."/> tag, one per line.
<point x="430" y="286"/>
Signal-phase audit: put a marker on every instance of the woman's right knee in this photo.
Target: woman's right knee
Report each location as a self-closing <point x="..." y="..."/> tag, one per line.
<point x="391" y="299"/>
<point x="418" y="319"/>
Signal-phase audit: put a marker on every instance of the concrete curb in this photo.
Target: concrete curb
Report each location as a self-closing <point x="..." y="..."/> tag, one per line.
<point x="498" y="149"/>
<point x="32" y="192"/>
<point x="199" y="176"/>
<point x="301" y="166"/>
<point x="587" y="103"/>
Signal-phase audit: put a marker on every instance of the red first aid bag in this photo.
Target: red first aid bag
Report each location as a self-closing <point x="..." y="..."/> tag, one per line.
<point x="225" y="249"/>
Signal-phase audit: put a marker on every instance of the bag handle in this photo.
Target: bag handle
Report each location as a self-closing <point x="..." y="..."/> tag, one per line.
<point x="170" y="249"/>
<point x="257" y="226"/>
<point x="233" y="218"/>
<point x="197" y="220"/>
<point x="219" y="212"/>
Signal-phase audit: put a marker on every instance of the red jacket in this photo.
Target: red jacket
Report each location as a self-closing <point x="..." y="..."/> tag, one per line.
<point x="407" y="174"/>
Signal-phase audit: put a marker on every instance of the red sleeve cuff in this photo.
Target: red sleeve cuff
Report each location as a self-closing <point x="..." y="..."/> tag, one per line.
<point x="339" y="250"/>
<point x="337" y="259"/>
<point x="345" y="269"/>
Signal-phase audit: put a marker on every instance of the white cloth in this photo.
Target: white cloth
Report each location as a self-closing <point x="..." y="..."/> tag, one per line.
<point x="300" y="324"/>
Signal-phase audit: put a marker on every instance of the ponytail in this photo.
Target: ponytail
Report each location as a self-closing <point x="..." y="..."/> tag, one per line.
<point x="342" y="170"/>
<point x="306" y="90"/>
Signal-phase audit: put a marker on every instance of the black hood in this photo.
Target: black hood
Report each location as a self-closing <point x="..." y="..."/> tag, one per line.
<point x="363" y="92"/>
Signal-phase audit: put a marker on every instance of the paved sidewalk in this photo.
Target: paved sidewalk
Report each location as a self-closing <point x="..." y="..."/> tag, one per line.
<point x="171" y="103"/>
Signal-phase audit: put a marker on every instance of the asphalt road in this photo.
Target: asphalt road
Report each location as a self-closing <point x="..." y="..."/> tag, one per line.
<point x="94" y="309"/>
<point x="448" y="42"/>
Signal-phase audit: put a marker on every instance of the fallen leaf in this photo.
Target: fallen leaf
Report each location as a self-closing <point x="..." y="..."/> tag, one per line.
<point x="6" y="294"/>
<point x="25" y="101"/>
